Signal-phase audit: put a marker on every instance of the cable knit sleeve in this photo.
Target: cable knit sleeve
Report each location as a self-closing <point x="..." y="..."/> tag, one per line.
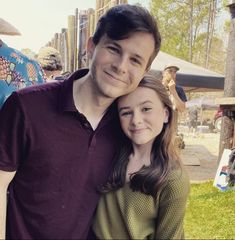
<point x="172" y="205"/>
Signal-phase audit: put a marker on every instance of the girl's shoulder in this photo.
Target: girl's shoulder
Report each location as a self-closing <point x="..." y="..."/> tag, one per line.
<point x="177" y="185"/>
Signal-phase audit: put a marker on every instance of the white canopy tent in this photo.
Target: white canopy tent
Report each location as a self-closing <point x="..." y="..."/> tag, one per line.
<point x="191" y="76"/>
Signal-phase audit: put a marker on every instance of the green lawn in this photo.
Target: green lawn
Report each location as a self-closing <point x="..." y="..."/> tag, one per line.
<point x="210" y="213"/>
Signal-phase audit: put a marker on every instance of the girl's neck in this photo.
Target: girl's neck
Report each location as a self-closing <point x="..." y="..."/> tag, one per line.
<point x="142" y="152"/>
<point x="141" y="156"/>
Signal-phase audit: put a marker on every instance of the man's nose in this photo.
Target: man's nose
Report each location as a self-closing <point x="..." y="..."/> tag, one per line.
<point x="119" y="65"/>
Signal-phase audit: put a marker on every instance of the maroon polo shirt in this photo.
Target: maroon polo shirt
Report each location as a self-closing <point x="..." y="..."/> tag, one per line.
<point x="59" y="160"/>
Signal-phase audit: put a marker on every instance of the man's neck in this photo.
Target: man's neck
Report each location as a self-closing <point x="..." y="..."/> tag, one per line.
<point x="88" y="102"/>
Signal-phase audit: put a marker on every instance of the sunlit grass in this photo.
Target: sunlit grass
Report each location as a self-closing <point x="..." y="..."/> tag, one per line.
<point x="210" y="213"/>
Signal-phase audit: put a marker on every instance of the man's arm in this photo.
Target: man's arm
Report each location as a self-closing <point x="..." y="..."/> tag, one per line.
<point x="5" y="179"/>
<point x="179" y="104"/>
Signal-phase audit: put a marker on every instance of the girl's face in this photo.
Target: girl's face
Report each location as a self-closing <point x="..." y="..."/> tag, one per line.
<point x="142" y="115"/>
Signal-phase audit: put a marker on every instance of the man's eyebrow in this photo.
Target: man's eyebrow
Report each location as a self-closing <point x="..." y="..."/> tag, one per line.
<point x="110" y="41"/>
<point x="119" y="46"/>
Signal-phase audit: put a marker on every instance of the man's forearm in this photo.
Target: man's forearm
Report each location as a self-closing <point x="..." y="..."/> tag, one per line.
<point x="3" y="207"/>
<point x="179" y="104"/>
<point x="5" y="179"/>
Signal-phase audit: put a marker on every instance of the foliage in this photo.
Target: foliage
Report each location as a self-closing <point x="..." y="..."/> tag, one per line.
<point x="189" y="31"/>
<point x="28" y="52"/>
<point x="210" y="213"/>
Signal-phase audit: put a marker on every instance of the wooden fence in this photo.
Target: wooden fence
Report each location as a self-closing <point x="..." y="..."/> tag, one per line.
<point x="71" y="41"/>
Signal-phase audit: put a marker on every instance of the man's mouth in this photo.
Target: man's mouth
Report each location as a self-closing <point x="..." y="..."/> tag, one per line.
<point x="114" y="77"/>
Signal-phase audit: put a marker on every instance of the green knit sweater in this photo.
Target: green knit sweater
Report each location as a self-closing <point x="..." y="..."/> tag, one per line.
<point x="125" y="214"/>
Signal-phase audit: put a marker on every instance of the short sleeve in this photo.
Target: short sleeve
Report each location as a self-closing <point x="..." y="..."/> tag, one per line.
<point x="12" y="134"/>
<point x="181" y="93"/>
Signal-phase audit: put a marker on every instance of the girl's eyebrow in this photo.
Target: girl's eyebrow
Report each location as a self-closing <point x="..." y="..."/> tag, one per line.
<point x="127" y="107"/>
<point x="147" y="101"/>
<point x="123" y="108"/>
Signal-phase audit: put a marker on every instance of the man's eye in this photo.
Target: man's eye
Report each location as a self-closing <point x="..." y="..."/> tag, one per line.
<point x="113" y="49"/>
<point x="136" y="61"/>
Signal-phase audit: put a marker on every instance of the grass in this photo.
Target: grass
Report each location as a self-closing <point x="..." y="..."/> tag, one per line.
<point x="210" y="213"/>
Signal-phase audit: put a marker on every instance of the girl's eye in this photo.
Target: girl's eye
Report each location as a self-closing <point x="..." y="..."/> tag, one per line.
<point x="125" y="113"/>
<point x="146" y="109"/>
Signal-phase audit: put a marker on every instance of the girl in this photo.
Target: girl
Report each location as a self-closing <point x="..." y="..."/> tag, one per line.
<point x="145" y="197"/>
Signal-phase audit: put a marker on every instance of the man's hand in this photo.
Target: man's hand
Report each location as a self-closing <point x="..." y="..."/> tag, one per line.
<point x="167" y="78"/>
<point x="171" y="86"/>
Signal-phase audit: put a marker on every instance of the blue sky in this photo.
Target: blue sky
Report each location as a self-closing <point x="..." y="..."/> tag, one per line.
<point x="39" y="20"/>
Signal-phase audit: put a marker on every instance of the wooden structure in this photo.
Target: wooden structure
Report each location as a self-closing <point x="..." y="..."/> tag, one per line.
<point x="227" y="136"/>
<point x="71" y="42"/>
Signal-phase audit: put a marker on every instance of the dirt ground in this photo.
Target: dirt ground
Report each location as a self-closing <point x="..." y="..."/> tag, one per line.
<point x="200" y="155"/>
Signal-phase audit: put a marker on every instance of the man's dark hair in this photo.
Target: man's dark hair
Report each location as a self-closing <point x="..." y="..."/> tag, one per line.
<point x="123" y="20"/>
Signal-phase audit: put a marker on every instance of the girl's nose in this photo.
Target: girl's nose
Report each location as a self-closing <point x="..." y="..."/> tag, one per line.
<point x="137" y="119"/>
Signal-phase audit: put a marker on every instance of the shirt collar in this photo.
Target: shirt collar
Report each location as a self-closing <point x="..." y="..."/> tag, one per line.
<point x="66" y="97"/>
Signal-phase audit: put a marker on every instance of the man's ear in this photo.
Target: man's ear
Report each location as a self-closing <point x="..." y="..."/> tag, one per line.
<point x="90" y="47"/>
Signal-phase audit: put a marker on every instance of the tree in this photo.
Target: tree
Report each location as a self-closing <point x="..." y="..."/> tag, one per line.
<point x="188" y="29"/>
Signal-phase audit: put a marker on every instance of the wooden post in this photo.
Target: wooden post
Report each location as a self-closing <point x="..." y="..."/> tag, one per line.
<point x="64" y="48"/>
<point x="97" y="10"/>
<point x="56" y="41"/>
<point x="76" y="40"/>
<point x="91" y="22"/>
<point x="71" y="41"/>
<point x="226" y="135"/>
<point x="229" y="87"/>
<point x="53" y="42"/>
<point x="83" y="28"/>
<point x="59" y="42"/>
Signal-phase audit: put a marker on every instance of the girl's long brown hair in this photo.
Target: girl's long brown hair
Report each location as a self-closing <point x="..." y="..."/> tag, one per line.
<point x="149" y="179"/>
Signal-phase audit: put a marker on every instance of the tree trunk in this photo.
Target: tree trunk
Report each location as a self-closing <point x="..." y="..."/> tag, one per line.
<point x="191" y="31"/>
<point x="212" y="15"/>
<point x="226" y="137"/>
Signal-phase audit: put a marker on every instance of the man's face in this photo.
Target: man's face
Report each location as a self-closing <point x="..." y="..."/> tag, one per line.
<point x="170" y="73"/>
<point x="117" y="66"/>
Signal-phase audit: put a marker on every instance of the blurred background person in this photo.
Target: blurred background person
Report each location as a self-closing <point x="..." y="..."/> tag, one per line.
<point x="16" y="69"/>
<point x="177" y="93"/>
<point x="192" y="120"/>
<point x="51" y="62"/>
<point x="177" y="96"/>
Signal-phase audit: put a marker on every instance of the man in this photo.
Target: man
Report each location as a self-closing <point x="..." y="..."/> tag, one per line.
<point x="177" y="93"/>
<point x="59" y="152"/>
<point x="178" y="98"/>
<point x="192" y="123"/>
<point x="16" y="70"/>
<point x="50" y="61"/>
